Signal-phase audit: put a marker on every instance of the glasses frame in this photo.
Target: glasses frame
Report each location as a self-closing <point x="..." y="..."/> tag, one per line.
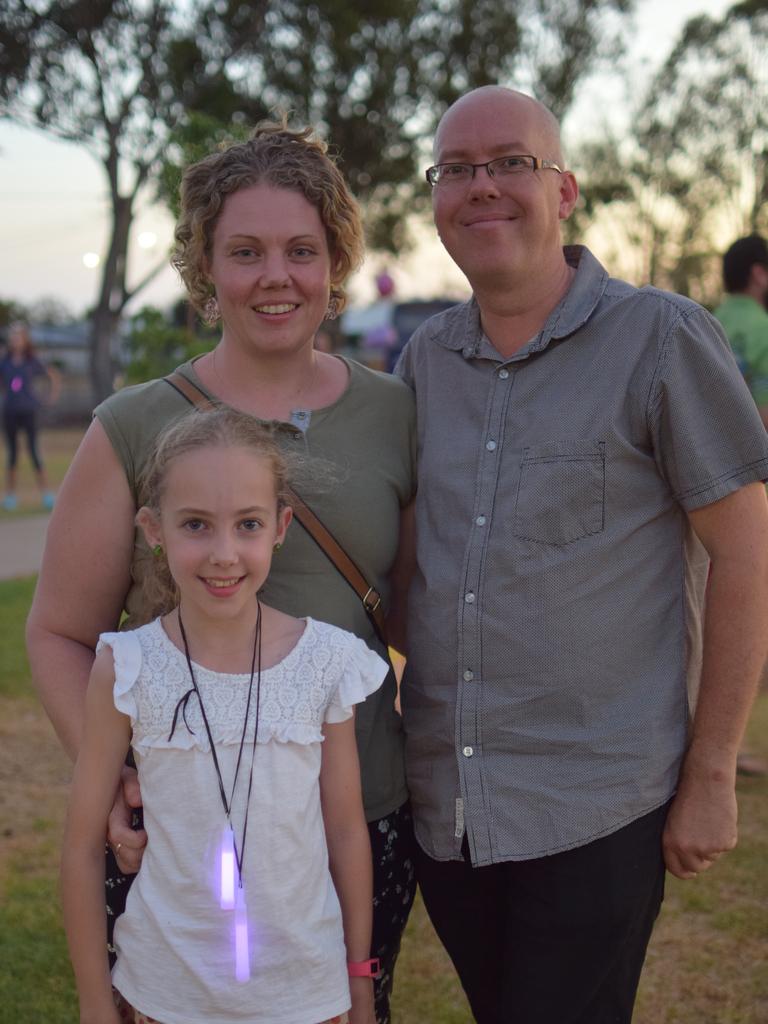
<point x="539" y="164"/>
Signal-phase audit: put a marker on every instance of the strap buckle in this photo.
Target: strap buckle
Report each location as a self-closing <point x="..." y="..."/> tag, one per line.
<point x="372" y="600"/>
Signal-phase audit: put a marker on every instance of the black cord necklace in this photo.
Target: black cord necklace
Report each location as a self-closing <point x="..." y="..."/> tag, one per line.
<point x="228" y="803"/>
<point x="230" y="900"/>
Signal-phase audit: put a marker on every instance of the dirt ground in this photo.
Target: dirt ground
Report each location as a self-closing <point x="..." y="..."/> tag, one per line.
<point x="56" y="450"/>
<point x="34" y="777"/>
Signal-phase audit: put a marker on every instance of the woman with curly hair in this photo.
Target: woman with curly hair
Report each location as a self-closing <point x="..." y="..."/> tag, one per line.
<point x="267" y="235"/>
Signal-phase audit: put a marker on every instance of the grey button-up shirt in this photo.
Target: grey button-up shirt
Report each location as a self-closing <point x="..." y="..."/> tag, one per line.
<point x="554" y="614"/>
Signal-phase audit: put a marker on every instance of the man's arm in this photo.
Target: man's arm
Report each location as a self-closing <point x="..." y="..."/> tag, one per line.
<point x="701" y="824"/>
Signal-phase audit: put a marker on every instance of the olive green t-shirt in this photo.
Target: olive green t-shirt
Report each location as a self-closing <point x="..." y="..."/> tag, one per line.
<point x="355" y="469"/>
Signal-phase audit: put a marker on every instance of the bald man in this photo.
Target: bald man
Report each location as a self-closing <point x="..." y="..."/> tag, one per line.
<point x="588" y="455"/>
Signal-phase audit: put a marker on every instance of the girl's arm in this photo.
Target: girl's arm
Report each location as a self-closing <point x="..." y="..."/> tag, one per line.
<point x="349" y="854"/>
<point x="105" y="740"/>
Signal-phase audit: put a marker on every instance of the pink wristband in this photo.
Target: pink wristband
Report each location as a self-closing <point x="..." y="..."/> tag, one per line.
<point x="363" y="968"/>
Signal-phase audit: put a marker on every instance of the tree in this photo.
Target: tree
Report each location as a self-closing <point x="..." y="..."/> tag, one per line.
<point x="695" y="174"/>
<point x="116" y="76"/>
<point x="156" y="347"/>
<point x="137" y="82"/>
<point x="376" y="77"/>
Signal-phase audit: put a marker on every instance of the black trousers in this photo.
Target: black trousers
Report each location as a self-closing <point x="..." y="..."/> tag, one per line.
<point x="13" y="423"/>
<point x="557" y="940"/>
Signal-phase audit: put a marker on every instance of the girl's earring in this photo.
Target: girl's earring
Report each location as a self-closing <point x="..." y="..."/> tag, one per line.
<point x="211" y="311"/>
<point x="157" y="550"/>
<point x="277" y="547"/>
<point x="333" y="308"/>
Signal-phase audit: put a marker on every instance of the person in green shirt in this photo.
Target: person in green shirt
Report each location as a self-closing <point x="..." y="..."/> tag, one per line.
<point x="744" y="317"/>
<point x="743" y="313"/>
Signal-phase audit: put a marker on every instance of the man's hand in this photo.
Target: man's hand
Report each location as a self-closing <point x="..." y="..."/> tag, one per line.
<point x="127" y="844"/>
<point x="701" y="824"/>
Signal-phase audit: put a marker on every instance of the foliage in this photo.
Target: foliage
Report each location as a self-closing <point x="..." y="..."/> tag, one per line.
<point x="376" y="77"/>
<point x="11" y="310"/>
<point x="157" y="347"/>
<point x="116" y="76"/>
<point x="147" y="84"/>
<point x="695" y="173"/>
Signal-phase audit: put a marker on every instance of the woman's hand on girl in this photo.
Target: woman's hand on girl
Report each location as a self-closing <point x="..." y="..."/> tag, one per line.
<point x="127" y="843"/>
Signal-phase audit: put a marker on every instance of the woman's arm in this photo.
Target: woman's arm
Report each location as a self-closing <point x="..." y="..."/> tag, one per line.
<point x="349" y="854"/>
<point x="80" y="592"/>
<point x="105" y="740"/>
<point x="83" y="581"/>
<point x="400" y="580"/>
<point x="54" y="378"/>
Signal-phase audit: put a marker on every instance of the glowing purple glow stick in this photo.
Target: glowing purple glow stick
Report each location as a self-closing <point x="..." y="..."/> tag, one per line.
<point x="242" y="952"/>
<point x="228" y="869"/>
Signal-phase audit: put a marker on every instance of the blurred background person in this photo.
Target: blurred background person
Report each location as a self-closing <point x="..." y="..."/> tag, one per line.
<point x="744" y="316"/>
<point x="743" y="313"/>
<point x="20" y="372"/>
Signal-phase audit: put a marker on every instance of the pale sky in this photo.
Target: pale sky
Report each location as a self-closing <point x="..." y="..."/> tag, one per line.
<point x="54" y="205"/>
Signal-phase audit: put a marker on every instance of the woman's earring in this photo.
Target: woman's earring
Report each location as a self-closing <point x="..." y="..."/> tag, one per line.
<point x="211" y="311"/>
<point x="277" y="547"/>
<point x="157" y="550"/>
<point x="333" y="308"/>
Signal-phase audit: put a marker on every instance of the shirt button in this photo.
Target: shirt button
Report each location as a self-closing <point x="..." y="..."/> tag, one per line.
<point x="503" y="374"/>
<point x="480" y="521"/>
<point x="467" y="751"/>
<point x="469" y="598"/>
<point x="469" y="675"/>
<point x="491" y="446"/>
<point x="298" y="435"/>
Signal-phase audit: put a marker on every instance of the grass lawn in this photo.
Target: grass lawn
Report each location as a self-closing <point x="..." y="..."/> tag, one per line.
<point x="706" y="965"/>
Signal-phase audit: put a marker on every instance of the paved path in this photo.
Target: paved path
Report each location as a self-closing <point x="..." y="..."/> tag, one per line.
<point x="21" y="545"/>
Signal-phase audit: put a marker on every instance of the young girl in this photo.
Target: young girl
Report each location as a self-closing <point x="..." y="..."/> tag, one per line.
<point x="253" y="902"/>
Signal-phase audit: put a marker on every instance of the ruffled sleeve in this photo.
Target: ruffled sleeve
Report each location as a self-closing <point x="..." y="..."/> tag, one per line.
<point x="126" y="651"/>
<point x="362" y="673"/>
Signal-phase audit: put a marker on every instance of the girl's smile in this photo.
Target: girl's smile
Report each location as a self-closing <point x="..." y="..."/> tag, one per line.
<point x="222" y="588"/>
<point x="219" y="521"/>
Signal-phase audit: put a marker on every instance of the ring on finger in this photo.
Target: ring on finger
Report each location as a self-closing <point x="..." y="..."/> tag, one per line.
<point x="117" y="849"/>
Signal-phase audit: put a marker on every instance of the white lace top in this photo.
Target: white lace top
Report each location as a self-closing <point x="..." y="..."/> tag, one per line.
<point x="175" y="944"/>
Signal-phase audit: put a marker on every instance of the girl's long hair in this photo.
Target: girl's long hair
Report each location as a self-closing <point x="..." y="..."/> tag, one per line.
<point x="22" y="327"/>
<point x="220" y="428"/>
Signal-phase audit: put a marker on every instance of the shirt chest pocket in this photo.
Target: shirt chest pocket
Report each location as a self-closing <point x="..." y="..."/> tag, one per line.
<point x="561" y="494"/>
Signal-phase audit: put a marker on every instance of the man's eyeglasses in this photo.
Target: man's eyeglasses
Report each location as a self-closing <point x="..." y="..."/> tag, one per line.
<point x="501" y="167"/>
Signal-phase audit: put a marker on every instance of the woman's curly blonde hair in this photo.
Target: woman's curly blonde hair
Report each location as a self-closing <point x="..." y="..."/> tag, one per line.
<point x="284" y="158"/>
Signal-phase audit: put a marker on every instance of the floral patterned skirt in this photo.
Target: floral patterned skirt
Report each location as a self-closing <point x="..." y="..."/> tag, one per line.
<point x="129" y="1015"/>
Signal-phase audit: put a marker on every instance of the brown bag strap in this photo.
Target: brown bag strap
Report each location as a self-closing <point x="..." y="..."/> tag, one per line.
<point x="319" y="533"/>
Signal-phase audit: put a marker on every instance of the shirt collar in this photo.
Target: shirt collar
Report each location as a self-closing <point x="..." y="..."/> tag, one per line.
<point x="460" y="328"/>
